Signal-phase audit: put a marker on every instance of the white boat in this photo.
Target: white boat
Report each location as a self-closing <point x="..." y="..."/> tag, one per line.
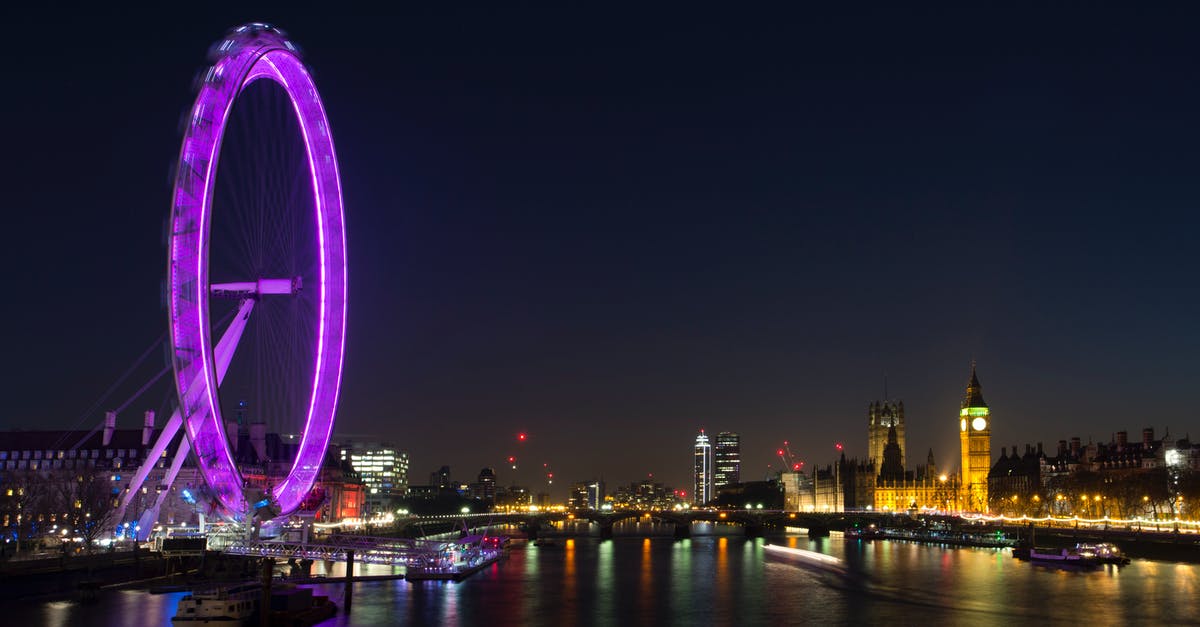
<point x="219" y="607"/>
<point x="1065" y="557"/>
<point x="1104" y="552"/>
<point x="458" y="559"/>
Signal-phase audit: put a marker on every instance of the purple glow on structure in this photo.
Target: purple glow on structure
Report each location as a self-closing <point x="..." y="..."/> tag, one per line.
<point x="248" y="55"/>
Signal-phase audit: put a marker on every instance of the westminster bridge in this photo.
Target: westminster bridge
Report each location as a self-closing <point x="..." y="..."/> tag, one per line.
<point x="754" y="522"/>
<point x="1161" y="539"/>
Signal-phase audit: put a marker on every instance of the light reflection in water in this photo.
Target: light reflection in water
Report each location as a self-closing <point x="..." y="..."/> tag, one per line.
<point x="605" y="589"/>
<point x="687" y="582"/>
<point x="646" y="583"/>
<point x="449" y="593"/>
<point x="722" y="578"/>
<point x="725" y="580"/>
<point x="570" y="592"/>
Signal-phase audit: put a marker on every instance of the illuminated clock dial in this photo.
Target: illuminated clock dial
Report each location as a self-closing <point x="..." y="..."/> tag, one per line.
<point x="963" y="424"/>
<point x="979" y="424"/>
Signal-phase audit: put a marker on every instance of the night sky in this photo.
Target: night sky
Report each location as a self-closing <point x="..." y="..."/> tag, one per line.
<point x="609" y="227"/>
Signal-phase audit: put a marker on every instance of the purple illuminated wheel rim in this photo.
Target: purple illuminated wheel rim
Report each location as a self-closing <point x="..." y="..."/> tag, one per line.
<point x="250" y="53"/>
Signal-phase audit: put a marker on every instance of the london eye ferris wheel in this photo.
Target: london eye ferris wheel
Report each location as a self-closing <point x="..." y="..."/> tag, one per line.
<point x="257" y="237"/>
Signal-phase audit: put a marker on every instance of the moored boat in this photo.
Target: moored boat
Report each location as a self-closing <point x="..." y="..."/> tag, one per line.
<point x="1062" y="557"/>
<point x="456" y="560"/>
<point x="291" y="605"/>
<point x="218" y="607"/>
<point x="1103" y="552"/>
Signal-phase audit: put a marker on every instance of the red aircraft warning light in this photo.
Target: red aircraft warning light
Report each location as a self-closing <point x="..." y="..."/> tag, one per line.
<point x="521" y="436"/>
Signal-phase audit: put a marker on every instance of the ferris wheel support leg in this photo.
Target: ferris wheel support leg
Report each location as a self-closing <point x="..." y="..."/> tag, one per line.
<point x="148" y="464"/>
<point x="150" y="516"/>
<point x="224" y="354"/>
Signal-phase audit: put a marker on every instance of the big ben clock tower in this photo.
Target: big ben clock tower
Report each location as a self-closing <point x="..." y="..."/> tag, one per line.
<point x="975" y="429"/>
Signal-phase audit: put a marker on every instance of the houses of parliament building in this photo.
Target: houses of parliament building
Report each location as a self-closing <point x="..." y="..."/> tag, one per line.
<point x="884" y="481"/>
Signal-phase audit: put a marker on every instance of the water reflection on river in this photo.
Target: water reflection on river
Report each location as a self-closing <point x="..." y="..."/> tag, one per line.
<point x="724" y="579"/>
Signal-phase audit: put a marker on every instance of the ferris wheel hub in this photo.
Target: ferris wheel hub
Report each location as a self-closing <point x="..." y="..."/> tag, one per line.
<point x="254" y="289"/>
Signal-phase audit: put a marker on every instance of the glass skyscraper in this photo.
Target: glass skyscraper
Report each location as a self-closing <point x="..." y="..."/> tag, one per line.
<point x="703" y="489"/>
<point x="727" y="460"/>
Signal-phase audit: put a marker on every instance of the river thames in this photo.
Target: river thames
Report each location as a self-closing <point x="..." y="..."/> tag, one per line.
<point x="725" y="579"/>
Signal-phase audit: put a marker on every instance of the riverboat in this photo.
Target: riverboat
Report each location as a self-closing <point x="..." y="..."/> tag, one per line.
<point x="291" y="605"/>
<point x="1104" y="552"/>
<point x="218" y="607"/>
<point x="1063" y="557"/>
<point x="456" y="560"/>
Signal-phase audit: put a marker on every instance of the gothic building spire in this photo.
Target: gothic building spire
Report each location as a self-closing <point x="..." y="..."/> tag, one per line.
<point x="974" y="396"/>
<point x="892" y="468"/>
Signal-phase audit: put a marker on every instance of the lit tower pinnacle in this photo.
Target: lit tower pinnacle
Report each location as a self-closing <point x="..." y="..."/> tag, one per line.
<point x="975" y="429"/>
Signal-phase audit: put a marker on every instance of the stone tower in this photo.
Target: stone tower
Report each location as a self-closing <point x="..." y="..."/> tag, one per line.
<point x="975" y="430"/>
<point x="881" y="417"/>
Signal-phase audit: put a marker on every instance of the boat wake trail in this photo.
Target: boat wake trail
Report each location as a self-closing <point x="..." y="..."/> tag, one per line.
<point x="834" y="574"/>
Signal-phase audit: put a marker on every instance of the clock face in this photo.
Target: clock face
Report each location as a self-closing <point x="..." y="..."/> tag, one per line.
<point x="979" y="424"/>
<point x="963" y="424"/>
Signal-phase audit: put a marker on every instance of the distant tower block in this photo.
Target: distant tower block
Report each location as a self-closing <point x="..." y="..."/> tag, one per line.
<point x="881" y="417"/>
<point x="727" y="460"/>
<point x="702" y="487"/>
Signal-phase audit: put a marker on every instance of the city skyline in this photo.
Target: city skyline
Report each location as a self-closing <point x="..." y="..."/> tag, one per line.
<point x="711" y="221"/>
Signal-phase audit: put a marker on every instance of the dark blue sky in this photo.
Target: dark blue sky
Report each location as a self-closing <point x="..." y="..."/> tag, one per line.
<point x="611" y="227"/>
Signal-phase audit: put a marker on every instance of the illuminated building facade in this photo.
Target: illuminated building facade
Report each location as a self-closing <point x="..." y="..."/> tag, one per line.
<point x="702" y="488"/>
<point x="646" y="494"/>
<point x="727" y="460"/>
<point x="881" y="482"/>
<point x="67" y="479"/>
<point x="595" y="494"/>
<point x="1120" y="479"/>
<point x="382" y="469"/>
<point x="586" y="495"/>
<point x="484" y="487"/>
<point x="50" y="478"/>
